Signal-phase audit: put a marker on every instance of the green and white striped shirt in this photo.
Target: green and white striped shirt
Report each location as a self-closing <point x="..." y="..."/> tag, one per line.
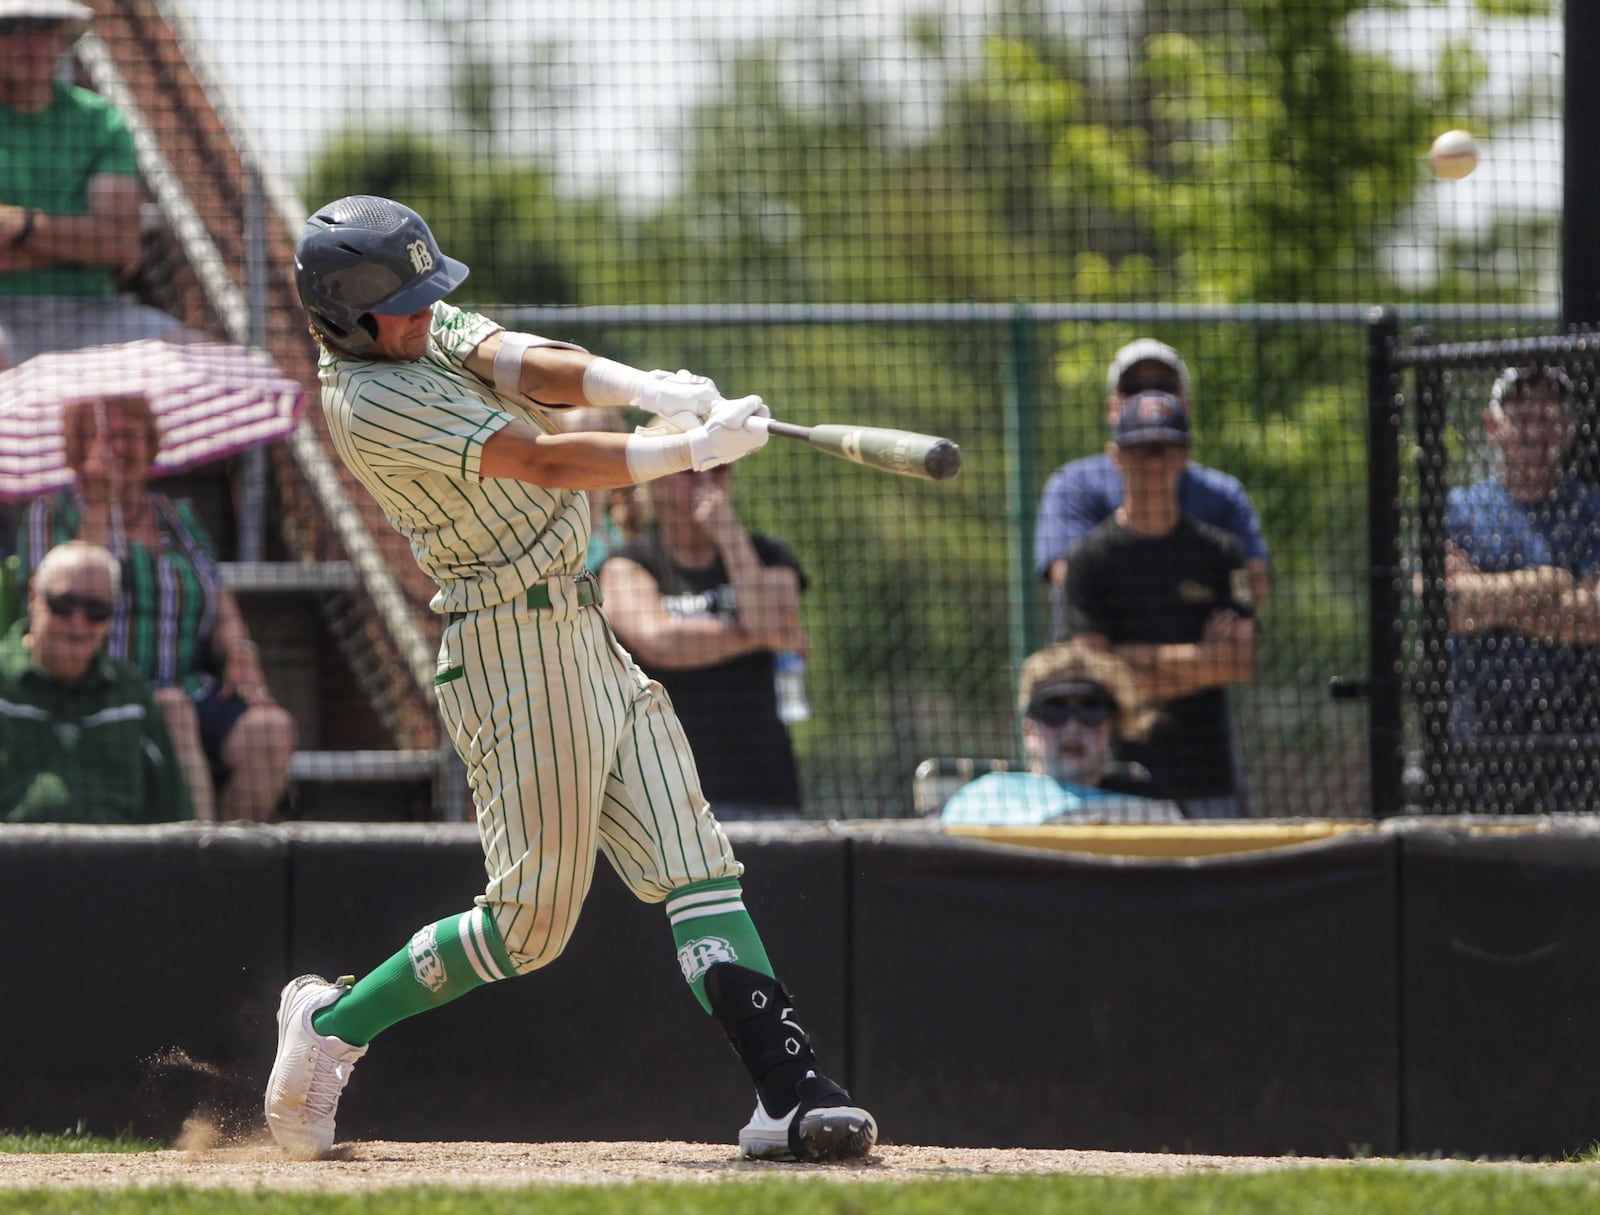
<point x="413" y="433"/>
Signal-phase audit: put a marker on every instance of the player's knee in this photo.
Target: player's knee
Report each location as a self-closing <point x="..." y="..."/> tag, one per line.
<point x="534" y="937"/>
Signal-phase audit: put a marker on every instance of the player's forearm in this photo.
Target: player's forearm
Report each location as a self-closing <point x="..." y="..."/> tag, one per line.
<point x="581" y="460"/>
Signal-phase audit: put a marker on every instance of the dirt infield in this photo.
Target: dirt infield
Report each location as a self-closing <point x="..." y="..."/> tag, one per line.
<point x="379" y="1164"/>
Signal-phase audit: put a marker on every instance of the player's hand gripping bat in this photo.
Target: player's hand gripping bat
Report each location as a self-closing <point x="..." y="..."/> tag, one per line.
<point x="898" y="451"/>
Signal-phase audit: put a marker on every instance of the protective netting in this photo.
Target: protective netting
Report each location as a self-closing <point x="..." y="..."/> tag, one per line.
<point x="942" y="217"/>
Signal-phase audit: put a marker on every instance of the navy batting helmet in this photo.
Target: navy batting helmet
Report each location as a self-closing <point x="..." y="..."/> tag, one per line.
<point x="364" y="254"/>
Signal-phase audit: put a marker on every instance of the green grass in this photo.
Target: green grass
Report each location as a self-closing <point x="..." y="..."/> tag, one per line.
<point x="76" y="1140"/>
<point x="1376" y="1189"/>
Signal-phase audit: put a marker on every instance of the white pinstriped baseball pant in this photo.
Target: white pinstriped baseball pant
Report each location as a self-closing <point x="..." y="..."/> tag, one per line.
<point x="569" y="748"/>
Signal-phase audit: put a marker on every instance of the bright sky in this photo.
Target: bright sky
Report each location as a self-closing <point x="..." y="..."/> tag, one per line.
<point x="628" y="71"/>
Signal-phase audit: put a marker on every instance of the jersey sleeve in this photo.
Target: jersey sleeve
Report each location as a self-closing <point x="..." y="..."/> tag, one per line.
<point x="1072" y="505"/>
<point x="458" y="332"/>
<point x="1244" y="522"/>
<point x="114" y="150"/>
<point x="422" y="418"/>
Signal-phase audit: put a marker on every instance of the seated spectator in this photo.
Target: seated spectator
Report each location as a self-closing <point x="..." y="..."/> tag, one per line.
<point x="1522" y="566"/>
<point x="1170" y="596"/>
<point x="174" y="621"/>
<point x="70" y="195"/>
<point x="81" y="739"/>
<point x="1075" y="701"/>
<point x="615" y="515"/>
<point x="704" y="606"/>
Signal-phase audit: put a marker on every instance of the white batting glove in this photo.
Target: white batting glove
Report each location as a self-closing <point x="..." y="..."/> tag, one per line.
<point x="679" y="397"/>
<point x="725" y="436"/>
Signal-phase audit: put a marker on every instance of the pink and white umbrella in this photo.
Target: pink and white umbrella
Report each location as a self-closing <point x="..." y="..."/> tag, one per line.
<point x="211" y="399"/>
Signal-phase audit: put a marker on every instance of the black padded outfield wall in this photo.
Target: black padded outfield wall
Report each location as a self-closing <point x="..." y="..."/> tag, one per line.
<point x="1500" y="994"/>
<point x="1419" y="987"/>
<point x="1238" y="1005"/>
<point x="143" y="966"/>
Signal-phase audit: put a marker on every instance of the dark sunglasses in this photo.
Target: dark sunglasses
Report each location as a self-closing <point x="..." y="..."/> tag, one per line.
<point x="11" y="27"/>
<point x="95" y="611"/>
<point x="1059" y="710"/>
<point x="1149" y="381"/>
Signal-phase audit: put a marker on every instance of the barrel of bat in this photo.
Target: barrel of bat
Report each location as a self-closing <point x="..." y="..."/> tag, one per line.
<point x="897" y="451"/>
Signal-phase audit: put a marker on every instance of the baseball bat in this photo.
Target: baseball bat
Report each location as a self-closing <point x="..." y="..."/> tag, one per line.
<point x="905" y="452"/>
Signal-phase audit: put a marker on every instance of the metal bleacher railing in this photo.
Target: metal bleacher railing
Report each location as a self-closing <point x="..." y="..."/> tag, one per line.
<point x="241" y="313"/>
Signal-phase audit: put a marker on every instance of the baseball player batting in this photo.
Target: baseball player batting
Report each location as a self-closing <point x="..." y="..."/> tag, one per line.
<point x="442" y="414"/>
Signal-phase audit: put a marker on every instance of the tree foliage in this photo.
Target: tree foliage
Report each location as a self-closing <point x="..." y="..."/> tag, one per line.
<point x="1200" y="153"/>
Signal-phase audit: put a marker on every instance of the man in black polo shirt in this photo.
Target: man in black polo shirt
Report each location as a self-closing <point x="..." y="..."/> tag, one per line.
<point x="1171" y="597"/>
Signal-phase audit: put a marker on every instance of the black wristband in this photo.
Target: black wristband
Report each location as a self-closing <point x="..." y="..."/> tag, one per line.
<point x="26" y="230"/>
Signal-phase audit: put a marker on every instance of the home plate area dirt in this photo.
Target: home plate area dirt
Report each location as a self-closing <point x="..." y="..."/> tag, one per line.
<point x="380" y="1164"/>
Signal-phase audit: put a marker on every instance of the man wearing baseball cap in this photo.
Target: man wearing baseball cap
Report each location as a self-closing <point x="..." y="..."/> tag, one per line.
<point x="1171" y="597"/>
<point x="70" y="197"/>
<point x="1522" y="568"/>
<point x="1083" y="492"/>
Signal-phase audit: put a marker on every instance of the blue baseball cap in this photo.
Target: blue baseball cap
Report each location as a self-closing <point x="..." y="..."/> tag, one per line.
<point x="1152" y="417"/>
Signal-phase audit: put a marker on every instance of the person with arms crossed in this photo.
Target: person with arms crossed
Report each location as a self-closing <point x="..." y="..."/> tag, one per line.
<point x="1075" y="702"/>
<point x="705" y="606"/>
<point x="569" y="748"/>
<point x="70" y="196"/>
<point x="1171" y="597"/>
<point x="1083" y="493"/>
<point x="81" y="739"/>
<point x="1522" y="564"/>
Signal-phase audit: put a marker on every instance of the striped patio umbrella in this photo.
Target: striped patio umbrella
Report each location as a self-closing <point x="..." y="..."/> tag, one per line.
<point x="211" y="399"/>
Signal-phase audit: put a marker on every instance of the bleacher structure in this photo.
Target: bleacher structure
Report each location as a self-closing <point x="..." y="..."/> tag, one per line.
<point x="330" y="592"/>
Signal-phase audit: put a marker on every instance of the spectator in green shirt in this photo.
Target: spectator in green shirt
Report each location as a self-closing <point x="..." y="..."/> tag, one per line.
<point x="81" y="739"/>
<point x="70" y="196"/>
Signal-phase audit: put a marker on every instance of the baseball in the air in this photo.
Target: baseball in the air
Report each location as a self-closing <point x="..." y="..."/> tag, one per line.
<point x="1454" y="154"/>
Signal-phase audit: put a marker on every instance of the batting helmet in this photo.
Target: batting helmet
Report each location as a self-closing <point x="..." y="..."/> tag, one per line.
<point x="364" y="254"/>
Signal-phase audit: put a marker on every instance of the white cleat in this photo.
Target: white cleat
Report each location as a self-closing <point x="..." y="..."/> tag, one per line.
<point x="823" y="1125"/>
<point x="310" y="1071"/>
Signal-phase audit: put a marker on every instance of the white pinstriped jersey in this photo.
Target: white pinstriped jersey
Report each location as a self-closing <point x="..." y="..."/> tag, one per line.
<point x="414" y="434"/>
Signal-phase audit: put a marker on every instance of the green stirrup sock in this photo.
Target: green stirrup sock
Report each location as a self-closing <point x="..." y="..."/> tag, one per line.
<point x="441" y="962"/>
<point x="710" y="924"/>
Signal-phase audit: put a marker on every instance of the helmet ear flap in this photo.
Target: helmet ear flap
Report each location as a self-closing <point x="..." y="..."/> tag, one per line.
<point x="357" y="339"/>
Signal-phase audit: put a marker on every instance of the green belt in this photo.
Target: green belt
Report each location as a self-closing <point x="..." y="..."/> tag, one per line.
<point x="538" y="596"/>
<point x="588" y="587"/>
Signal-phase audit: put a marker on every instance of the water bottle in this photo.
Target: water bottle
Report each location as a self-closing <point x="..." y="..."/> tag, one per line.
<point x="789" y="675"/>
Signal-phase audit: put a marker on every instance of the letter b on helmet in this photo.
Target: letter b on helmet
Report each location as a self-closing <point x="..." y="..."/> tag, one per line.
<point x="364" y="254"/>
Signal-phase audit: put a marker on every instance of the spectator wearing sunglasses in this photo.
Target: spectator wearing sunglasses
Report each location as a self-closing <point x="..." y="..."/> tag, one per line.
<point x="81" y="738"/>
<point x="1171" y="597"/>
<point x="174" y="622"/>
<point x="70" y="195"/>
<point x="1080" y="495"/>
<point x="1075" y="702"/>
